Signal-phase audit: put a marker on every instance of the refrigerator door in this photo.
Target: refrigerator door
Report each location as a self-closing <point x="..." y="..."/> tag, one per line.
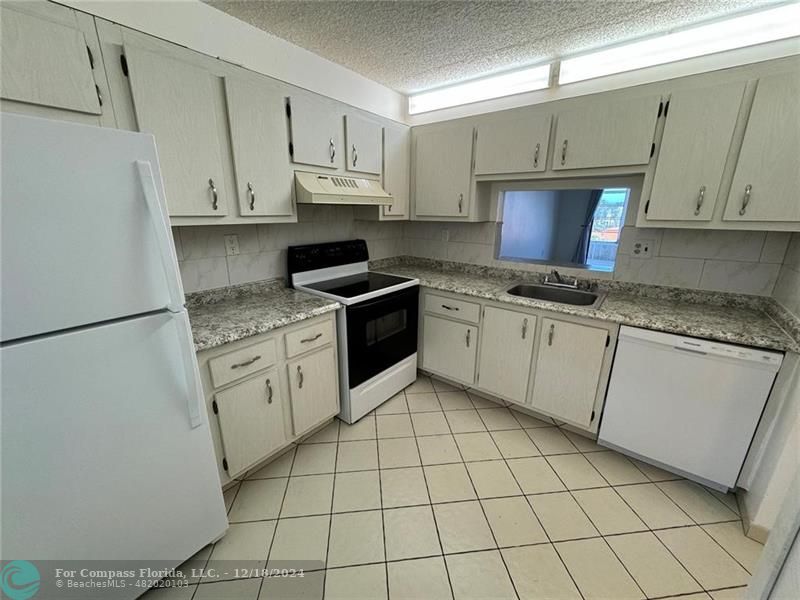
<point x="99" y="458"/>
<point x="85" y="236"/>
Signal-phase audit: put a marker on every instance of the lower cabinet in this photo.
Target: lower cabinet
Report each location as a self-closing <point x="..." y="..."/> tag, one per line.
<point x="449" y="348"/>
<point x="506" y="350"/>
<point x="314" y="389"/>
<point x="251" y="420"/>
<point x="567" y="370"/>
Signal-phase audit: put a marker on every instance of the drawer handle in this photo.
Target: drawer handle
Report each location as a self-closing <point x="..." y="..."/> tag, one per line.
<point x="214" y="195"/>
<point x="447" y="307"/>
<point x="246" y="363"/>
<point x="252" y="194"/>
<point x="746" y="199"/>
<point x="269" y="392"/>
<point x="550" y="335"/>
<point x="311" y="339"/>
<point x="524" y="328"/>
<point x="299" y="377"/>
<point x="700" y="197"/>
<point x="469" y="331"/>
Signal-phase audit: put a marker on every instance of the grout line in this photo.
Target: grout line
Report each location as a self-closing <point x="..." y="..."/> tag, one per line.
<point x="380" y="500"/>
<point x="330" y="514"/>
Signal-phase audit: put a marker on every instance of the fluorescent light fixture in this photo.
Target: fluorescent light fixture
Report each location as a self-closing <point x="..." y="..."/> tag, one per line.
<point x="495" y="86"/>
<point x="738" y="32"/>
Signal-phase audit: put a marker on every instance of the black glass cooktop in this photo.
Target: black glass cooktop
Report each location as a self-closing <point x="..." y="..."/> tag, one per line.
<point x="357" y="285"/>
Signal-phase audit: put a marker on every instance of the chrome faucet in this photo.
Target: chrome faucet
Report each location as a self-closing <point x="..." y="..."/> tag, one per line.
<point x="555" y="279"/>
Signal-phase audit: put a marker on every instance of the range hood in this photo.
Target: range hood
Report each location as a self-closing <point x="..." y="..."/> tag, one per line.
<point x="320" y="188"/>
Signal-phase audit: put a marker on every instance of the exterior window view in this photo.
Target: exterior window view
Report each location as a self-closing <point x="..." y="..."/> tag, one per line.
<point x="399" y="300"/>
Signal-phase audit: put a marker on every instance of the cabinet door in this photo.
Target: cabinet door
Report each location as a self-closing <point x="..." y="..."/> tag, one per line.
<point x="568" y="370"/>
<point x="697" y="138"/>
<point x="251" y="420"/>
<point x="363" y="145"/>
<point x="512" y="145"/>
<point x="396" y="158"/>
<point x="767" y="176"/>
<point x="260" y="142"/>
<point x="46" y="63"/>
<point x="606" y="134"/>
<point x="506" y="351"/>
<point x="442" y="166"/>
<point x="449" y="348"/>
<point x="316" y="132"/>
<point x="314" y="387"/>
<point x="175" y="102"/>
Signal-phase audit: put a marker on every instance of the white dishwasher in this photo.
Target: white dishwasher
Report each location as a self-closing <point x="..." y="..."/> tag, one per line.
<point x="685" y="404"/>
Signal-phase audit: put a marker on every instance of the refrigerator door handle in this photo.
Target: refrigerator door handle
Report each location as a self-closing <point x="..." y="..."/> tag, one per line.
<point x="159" y="219"/>
<point x="191" y="372"/>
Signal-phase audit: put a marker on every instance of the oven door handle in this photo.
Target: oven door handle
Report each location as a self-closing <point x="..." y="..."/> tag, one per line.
<point x="387" y="298"/>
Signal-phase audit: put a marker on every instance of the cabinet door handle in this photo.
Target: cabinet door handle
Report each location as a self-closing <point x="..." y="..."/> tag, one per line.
<point x="551" y="335"/>
<point x="564" y="152"/>
<point x="536" y="156"/>
<point x="311" y="339"/>
<point x="251" y="192"/>
<point x="355" y="155"/>
<point x="469" y="331"/>
<point x="214" y="196"/>
<point x="299" y="377"/>
<point x="524" y="328"/>
<point x="269" y="392"/>
<point x="332" y="149"/>
<point x="246" y="363"/>
<point x="745" y="199"/>
<point x="700" y="197"/>
<point x="460" y="201"/>
<point x="448" y="307"/>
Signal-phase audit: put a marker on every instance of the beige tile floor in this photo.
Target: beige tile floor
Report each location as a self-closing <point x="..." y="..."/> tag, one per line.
<point x="443" y="494"/>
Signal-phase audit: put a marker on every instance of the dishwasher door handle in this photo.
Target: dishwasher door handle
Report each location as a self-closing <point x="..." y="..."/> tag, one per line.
<point x="682" y="349"/>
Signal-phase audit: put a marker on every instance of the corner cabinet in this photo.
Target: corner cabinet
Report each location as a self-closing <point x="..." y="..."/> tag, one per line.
<point x="396" y="170"/>
<point x="443" y="171"/>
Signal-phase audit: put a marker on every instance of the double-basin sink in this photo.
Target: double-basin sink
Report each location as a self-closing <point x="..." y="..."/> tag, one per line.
<point x="561" y="295"/>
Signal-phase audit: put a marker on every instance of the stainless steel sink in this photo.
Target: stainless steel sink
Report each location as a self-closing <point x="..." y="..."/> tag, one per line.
<point x="557" y="294"/>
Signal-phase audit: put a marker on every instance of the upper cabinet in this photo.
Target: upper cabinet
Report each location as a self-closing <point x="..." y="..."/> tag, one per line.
<point x="316" y="129"/>
<point x="174" y="101"/>
<point x="767" y="177"/>
<point x="363" y="145"/>
<point x="606" y="133"/>
<point x="697" y="137"/>
<point x="442" y="171"/>
<point x="514" y="143"/>
<point x="396" y="172"/>
<point x="260" y="144"/>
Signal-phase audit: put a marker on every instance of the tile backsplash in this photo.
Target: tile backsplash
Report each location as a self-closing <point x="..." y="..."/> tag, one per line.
<point x="787" y="288"/>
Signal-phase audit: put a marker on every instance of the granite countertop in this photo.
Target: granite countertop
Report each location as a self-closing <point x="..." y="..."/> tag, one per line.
<point x="229" y="314"/>
<point x="730" y="318"/>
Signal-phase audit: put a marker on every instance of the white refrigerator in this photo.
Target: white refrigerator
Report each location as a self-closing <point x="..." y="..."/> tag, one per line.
<point x="106" y="449"/>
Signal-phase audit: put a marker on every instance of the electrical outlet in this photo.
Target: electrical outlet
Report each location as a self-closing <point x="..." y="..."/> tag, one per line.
<point x="643" y="248"/>
<point x="232" y="244"/>
<point x="445" y="235"/>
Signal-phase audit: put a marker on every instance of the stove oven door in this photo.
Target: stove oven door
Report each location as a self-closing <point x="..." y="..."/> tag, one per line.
<point x="380" y="333"/>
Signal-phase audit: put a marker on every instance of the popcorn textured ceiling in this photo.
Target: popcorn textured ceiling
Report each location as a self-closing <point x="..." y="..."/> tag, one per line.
<point x="411" y="45"/>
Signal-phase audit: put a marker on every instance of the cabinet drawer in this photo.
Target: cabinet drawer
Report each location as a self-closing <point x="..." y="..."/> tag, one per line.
<point x="457" y="309"/>
<point x="235" y="365"/>
<point x="309" y="338"/>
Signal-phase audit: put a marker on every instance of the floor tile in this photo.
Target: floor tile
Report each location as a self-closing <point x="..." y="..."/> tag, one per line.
<point x="410" y="533"/>
<point x="359" y="490"/>
<point x="513" y="522"/>
<point x="357" y="456"/>
<point x="652" y="566"/>
<point x="438" y="450"/>
<point x="454" y="401"/>
<point x="443" y="386"/>
<point x="278" y="467"/>
<point x="258" y="500"/>
<point x="697" y="502"/>
<point x="197" y="561"/>
<point x="308" y="587"/>
<point x="356" y="539"/>
<point x="615" y="468"/>
<point x="417" y="579"/>
<point x="366" y="582"/>
<point x="731" y="537"/>
<point x="479" y="576"/>
<point x="449" y="483"/>
<point x="308" y="495"/>
<point x="529" y="421"/>
<point x="477" y="446"/>
<point x="737" y="593"/>
<point x="462" y="527"/>
<point x="498" y="419"/>
<point x="550" y="440"/>
<point x="654" y="473"/>
<point x="364" y="429"/>
<point x="576" y="472"/>
<point x="728" y="500"/>
<point x="514" y="443"/>
<point x="425" y="402"/>
<point x="608" y="511"/>
<point x="703" y="558"/>
<point x="398" y="452"/>
<point x="229" y="495"/>
<point x="561" y="517"/>
<point x="329" y="433"/>
<point x="538" y="573"/>
<point x="393" y="426"/>
<point x="464" y="421"/>
<point x="653" y="506"/>
<point x="583" y="443"/>
<point x="430" y="423"/>
<point x="238" y="589"/>
<point x="403" y="487"/>
<point x="534" y="475"/>
<point x="596" y="571"/>
<point x="698" y="596"/>
<point x="302" y="543"/>
<point x="182" y="592"/>
<point x="314" y="459"/>
<point x="493" y="479"/>
<point x="421" y="385"/>
<point x="479" y="401"/>
<point x="244" y="542"/>
<point x="396" y="405"/>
